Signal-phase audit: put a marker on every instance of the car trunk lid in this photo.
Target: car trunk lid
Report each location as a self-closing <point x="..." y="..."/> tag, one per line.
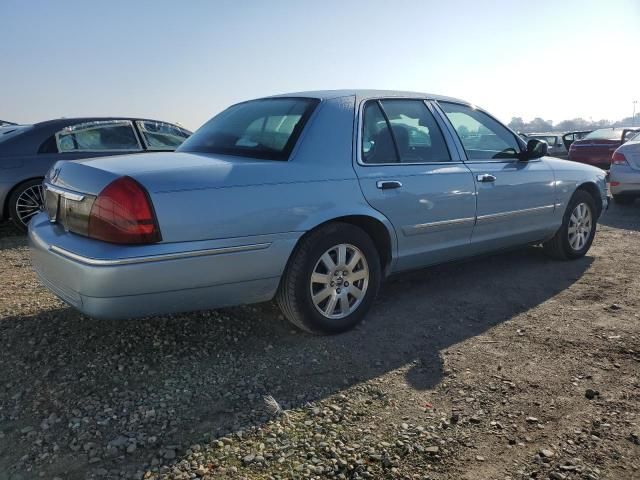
<point x="593" y="151"/>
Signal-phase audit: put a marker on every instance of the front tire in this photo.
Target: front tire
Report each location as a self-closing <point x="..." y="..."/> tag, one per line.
<point x="331" y="280"/>
<point x="25" y="202"/>
<point x="575" y="236"/>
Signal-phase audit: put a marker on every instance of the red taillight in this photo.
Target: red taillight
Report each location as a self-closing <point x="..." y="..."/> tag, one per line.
<point x="618" y="159"/>
<point x="122" y="213"/>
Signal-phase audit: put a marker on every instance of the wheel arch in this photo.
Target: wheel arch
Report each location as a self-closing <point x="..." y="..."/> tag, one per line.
<point x="592" y="189"/>
<point x="379" y="229"/>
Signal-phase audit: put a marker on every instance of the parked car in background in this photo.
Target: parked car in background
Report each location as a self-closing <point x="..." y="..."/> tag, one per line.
<point x="554" y="141"/>
<point x="597" y="147"/>
<point x="4" y="123"/>
<point x="312" y="198"/>
<point x="625" y="171"/>
<point x="569" y="137"/>
<point x="28" y="151"/>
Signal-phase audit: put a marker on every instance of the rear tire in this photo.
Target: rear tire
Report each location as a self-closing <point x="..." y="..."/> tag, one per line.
<point x="331" y="280"/>
<point x="25" y="202"/>
<point x="623" y="199"/>
<point x="575" y="236"/>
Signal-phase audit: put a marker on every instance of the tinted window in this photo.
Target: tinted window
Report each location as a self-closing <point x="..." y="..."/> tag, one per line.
<point x="415" y="131"/>
<point x="267" y="128"/>
<point x="161" y="136"/>
<point x="483" y="137"/>
<point x="110" y="135"/>
<point x="377" y="143"/>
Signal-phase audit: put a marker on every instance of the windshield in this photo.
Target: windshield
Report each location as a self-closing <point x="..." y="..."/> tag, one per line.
<point x="605" y="134"/>
<point x="266" y="128"/>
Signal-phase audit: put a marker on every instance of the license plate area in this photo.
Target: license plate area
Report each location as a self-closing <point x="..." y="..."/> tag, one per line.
<point x="69" y="209"/>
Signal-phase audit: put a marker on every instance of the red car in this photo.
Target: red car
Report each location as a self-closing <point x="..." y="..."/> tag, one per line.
<point x="597" y="147"/>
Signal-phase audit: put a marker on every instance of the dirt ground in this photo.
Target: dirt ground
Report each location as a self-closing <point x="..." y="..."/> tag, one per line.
<point x="507" y="367"/>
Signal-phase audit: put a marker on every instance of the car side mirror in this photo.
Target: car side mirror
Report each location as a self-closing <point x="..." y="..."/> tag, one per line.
<point x="536" y="149"/>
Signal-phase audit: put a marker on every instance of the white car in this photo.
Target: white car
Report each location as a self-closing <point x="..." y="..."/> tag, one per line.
<point x="625" y="172"/>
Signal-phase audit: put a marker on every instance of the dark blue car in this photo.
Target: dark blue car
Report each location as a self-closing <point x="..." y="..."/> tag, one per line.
<point x="28" y="151"/>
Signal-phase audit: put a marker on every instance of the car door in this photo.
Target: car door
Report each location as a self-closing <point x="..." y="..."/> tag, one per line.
<point x="515" y="198"/>
<point x="409" y="170"/>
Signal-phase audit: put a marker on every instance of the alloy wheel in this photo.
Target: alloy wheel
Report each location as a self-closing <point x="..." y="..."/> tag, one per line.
<point x="29" y="202"/>
<point x="339" y="281"/>
<point x="580" y="224"/>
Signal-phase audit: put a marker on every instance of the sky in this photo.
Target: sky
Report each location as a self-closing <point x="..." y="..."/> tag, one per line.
<point x="185" y="61"/>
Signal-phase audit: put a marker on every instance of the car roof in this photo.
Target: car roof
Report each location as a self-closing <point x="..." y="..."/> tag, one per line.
<point x="363" y="94"/>
<point x="72" y="120"/>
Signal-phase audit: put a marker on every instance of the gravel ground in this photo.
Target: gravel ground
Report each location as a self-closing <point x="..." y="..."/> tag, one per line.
<point x="508" y="367"/>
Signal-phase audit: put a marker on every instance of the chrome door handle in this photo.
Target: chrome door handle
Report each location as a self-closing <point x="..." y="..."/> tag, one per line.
<point x="486" y="178"/>
<point x="388" y="184"/>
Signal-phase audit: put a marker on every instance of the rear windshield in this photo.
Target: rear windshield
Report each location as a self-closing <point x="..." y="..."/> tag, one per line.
<point x="605" y="134"/>
<point x="266" y="128"/>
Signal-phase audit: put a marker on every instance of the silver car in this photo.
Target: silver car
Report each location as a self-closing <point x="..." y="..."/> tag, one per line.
<point x="625" y="171"/>
<point x="312" y="198"/>
<point x="28" y="151"/>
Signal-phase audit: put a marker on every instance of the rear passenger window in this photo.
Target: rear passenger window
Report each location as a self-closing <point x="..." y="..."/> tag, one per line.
<point x="160" y="135"/>
<point x="417" y="135"/>
<point x="402" y="131"/>
<point x="102" y="135"/>
<point x="377" y="143"/>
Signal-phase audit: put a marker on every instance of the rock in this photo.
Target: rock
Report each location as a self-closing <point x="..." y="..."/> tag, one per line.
<point x="635" y="438"/>
<point x="169" y="454"/>
<point x="480" y="458"/>
<point x="557" y="476"/>
<point x="546" y="453"/>
<point x="532" y="420"/>
<point x="591" y="394"/>
<point x="432" y="450"/>
<point x="131" y="448"/>
<point x="249" y="458"/>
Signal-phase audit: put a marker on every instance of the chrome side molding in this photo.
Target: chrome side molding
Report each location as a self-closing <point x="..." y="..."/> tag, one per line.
<point x="101" y="262"/>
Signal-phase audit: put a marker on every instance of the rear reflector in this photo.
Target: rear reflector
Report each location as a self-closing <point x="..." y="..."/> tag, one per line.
<point x="123" y="213"/>
<point x="618" y="159"/>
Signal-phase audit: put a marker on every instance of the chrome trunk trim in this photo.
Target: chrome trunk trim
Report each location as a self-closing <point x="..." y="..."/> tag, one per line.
<point x="63" y="192"/>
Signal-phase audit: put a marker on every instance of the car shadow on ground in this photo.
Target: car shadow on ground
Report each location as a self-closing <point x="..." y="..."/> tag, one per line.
<point x="185" y="378"/>
<point x="625" y="217"/>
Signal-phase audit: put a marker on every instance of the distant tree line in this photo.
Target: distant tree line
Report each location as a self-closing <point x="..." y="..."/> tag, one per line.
<point x="540" y="125"/>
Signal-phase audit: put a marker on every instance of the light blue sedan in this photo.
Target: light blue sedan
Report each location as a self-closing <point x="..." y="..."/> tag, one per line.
<point x="312" y="198"/>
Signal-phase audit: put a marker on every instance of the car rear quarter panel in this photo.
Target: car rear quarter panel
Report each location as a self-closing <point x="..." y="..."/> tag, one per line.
<point x="316" y="185"/>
